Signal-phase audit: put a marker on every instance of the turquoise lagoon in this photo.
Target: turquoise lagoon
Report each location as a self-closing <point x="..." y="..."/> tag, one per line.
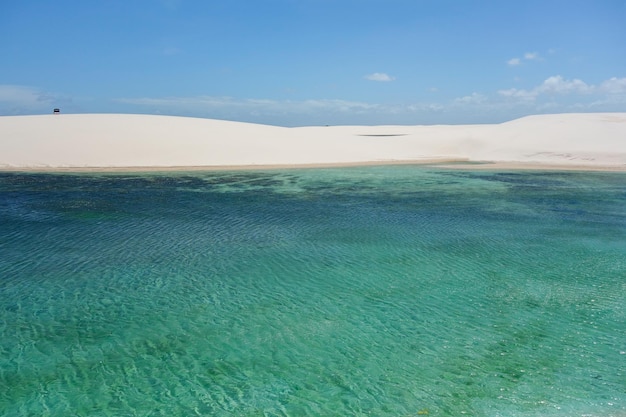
<point x="375" y="291"/>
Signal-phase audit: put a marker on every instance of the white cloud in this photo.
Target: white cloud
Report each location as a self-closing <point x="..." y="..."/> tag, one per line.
<point x="558" y="84"/>
<point x="552" y="85"/>
<point x="528" y="56"/>
<point x="19" y="99"/>
<point x="423" y="108"/>
<point x="23" y="96"/>
<point x="555" y="94"/>
<point x="614" y="86"/>
<point x="474" y="98"/>
<point x="520" y="94"/>
<point x="224" y="105"/>
<point x="379" y="76"/>
<point x="531" y="56"/>
<point x="514" y="62"/>
<point x="290" y="112"/>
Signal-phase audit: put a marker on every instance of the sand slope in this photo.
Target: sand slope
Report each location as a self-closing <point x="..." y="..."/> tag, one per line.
<point x="120" y="140"/>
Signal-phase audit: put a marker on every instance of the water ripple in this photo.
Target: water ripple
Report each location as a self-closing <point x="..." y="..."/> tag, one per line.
<point x="379" y="291"/>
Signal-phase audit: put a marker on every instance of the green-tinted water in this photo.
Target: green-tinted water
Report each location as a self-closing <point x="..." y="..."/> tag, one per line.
<point x="380" y="291"/>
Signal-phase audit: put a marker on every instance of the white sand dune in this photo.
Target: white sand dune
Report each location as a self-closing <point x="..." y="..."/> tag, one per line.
<point x="581" y="141"/>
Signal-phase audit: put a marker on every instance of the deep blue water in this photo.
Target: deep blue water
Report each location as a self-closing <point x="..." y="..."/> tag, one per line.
<point x="376" y="291"/>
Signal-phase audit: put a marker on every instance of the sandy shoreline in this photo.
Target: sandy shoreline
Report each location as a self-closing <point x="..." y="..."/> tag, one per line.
<point x="143" y="143"/>
<point x="434" y="162"/>
<point x="439" y="164"/>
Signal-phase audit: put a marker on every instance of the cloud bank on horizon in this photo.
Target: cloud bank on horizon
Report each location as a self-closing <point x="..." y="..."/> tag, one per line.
<point x="315" y="62"/>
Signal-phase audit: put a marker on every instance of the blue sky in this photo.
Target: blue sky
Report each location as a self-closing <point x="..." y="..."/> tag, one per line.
<point x="310" y="62"/>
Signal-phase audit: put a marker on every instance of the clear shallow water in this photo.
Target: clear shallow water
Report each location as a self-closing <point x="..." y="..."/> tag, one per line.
<point x="379" y="291"/>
